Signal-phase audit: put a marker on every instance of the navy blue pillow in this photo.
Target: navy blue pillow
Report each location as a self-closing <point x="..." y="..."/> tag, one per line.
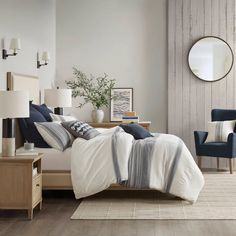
<point x="44" y="110"/>
<point x="29" y="130"/>
<point x="138" y="131"/>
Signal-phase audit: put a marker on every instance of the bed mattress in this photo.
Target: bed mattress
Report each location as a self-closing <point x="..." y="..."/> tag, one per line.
<point x="54" y="159"/>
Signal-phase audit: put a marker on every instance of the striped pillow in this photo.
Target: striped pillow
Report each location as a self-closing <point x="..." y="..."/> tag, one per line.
<point x="218" y="131"/>
<point x="80" y="129"/>
<point x="55" y="135"/>
<point x="61" y="118"/>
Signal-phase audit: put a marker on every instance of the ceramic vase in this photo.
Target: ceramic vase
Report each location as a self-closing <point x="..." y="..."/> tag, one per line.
<point x="97" y="115"/>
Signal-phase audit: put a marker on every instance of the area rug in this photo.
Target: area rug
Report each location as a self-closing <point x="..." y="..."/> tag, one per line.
<point x="216" y="201"/>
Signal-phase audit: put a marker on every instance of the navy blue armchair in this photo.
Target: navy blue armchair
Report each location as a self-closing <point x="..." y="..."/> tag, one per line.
<point x="217" y="149"/>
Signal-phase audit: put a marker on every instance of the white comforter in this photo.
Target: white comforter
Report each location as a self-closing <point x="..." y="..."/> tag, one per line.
<point x="93" y="170"/>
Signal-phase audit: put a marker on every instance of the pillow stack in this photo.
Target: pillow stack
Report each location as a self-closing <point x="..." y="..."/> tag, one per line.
<point x="45" y="129"/>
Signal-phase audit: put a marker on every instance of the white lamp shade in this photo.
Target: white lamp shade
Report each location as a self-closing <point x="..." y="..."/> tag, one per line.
<point x="58" y="97"/>
<point x="45" y="56"/>
<point x="14" y="104"/>
<point x="15" y="44"/>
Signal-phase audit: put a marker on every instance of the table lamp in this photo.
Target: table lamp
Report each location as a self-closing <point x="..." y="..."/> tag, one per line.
<point x="58" y="98"/>
<point x="13" y="104"/>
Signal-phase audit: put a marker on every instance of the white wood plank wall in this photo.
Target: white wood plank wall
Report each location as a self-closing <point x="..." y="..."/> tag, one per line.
<point x="190" y="100"/>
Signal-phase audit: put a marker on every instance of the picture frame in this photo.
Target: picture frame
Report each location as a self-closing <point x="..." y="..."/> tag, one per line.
<point x="121" y="101"/>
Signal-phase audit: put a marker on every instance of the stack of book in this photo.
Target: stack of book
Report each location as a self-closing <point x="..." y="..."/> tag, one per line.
<point x="130" y="117"/>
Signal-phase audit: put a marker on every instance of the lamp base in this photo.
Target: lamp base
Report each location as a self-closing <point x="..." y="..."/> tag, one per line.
<point x="8" y="138"/>
<point x="58" y="110"/>
<point x="8" y="147"/>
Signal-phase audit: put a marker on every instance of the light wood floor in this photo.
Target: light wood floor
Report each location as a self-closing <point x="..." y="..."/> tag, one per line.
<point x="54" y="220"/>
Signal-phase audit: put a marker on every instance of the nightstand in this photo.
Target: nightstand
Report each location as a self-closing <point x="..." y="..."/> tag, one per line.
<point x="20" y="186"/>
<point x="145" y="124"/>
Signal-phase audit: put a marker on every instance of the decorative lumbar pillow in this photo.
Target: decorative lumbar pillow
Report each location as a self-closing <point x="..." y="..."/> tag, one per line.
<point x="218" y="131"/>
<point x="44" y="110"/>
<point x="55" y="135"/>
<point x="61" y="118"/>
<point x="29" y="130"/>
<point x="138" y="131"/>
<point x="80" y="129"/>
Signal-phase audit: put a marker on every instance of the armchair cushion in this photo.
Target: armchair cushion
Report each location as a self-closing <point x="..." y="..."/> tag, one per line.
<point x="218" y="131"/>
<point x="216" y="149"/>
<point x="223" y="114"/>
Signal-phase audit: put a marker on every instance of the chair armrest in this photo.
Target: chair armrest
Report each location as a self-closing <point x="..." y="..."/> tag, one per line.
<point x="231" y="143"/>
<point x="200" y="137"/>
<point x="231" y="140"/>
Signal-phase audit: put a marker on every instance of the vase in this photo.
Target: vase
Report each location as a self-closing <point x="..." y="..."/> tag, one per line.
<point x="97" y="115"/>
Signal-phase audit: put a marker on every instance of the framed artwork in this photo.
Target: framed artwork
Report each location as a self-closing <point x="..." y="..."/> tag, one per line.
<point x="121" y="101"/>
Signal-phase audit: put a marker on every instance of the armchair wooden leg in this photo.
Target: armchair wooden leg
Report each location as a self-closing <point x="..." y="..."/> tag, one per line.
<point x="218" y="163"/>
<point x="231" y="165"/>
<point x="199" y="161"/>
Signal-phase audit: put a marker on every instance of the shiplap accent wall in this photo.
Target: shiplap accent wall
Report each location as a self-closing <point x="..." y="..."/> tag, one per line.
<point x="190" y="100"/>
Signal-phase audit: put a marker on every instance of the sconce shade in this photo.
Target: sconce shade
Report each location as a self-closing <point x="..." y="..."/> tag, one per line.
<point x="45" y="56"/>
<point x="14" y="104"/>
<point x="15" y="44"/>
<point x="58" y="97"/>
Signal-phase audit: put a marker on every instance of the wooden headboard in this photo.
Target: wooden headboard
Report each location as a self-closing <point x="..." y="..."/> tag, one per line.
<point x="23" y="82"/>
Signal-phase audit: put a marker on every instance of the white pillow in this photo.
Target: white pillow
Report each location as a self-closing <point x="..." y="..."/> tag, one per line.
<point x="218" y="131"/>
<point x="62" y="118"/>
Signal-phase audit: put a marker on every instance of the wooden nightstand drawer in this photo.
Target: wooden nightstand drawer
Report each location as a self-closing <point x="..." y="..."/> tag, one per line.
<point x="37" y="189"/>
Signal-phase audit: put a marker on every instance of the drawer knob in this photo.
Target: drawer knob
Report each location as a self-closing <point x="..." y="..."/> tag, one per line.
<point x="37" y="185"/>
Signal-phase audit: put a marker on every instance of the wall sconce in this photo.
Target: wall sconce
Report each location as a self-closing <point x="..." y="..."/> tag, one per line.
<point x="45" y="58"/>
<point x="15" y="45"/>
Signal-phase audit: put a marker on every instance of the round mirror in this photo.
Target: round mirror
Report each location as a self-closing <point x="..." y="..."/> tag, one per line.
<point x="210" y="58"/>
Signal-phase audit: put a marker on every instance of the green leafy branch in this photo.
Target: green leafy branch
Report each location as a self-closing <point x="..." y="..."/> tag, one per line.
<point x="94" y="90"/>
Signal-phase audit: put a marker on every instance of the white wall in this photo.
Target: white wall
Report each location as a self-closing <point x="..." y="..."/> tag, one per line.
<point x="125" y="39"/>
<point x="34" y="22"/>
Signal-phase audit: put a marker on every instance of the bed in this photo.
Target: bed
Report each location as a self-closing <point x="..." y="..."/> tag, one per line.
<point x="162" y="162"/>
